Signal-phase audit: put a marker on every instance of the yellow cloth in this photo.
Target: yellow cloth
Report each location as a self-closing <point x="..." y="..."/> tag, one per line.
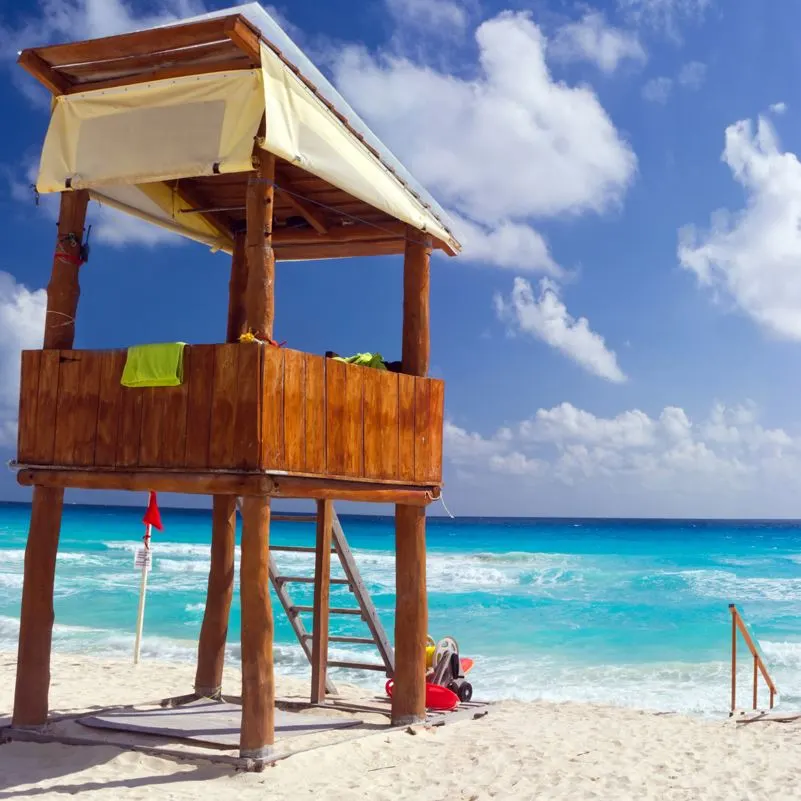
<point x="154" y="365"/>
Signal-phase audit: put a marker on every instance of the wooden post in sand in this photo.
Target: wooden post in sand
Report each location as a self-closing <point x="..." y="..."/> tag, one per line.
<point x="37" y="616"/>
<point x="322" y="590"/>
<point x="214" y="631"/>
<point x="258" y="687"/>
<point x="220" y="593"/>
<point x="411" y="603"/>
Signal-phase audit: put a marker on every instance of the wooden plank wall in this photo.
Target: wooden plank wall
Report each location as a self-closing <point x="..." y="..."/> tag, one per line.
<point x="334" y="419"/>
<point x="74" y="412"/>
<point x="240" y="407"/>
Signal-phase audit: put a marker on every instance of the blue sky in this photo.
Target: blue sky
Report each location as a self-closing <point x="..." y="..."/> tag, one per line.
<point x="623" y="334"/>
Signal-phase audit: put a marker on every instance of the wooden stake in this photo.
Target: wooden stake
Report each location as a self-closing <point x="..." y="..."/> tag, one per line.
<point x="416" y="281"/>
<point x="260" y="255"/>
<point x="214" y="632"/>
<point x="64" y="290"/>
<point x="411" y="616"/>
<point x="322" y="590"/>
<point x="237" y="290"/>
<point x="258" y="686"/>
<point x="36" y="615"/>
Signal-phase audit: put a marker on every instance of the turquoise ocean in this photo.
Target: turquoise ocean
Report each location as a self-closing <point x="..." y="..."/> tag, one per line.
<point x="627" y="612"/>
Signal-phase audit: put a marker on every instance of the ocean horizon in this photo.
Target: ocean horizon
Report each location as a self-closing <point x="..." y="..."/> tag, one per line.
<point x="624" y="611"/>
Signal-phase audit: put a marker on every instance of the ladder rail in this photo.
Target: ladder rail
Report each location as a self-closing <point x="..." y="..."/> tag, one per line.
<point x="369" y="612"/>
<point x="304" y="638"/>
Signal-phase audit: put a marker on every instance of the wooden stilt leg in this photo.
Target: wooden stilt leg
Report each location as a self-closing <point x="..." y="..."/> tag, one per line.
<point x="36" y="618"/>
<point x="411" y="616"/>
<point x="322" y="590"/>
<point x="213" y="634"/>
<point x="258" y="687"/>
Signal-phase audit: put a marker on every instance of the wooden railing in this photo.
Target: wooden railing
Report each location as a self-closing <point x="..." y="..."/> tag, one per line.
<point x="241" y="408"/>
<point x="737" y="624"/>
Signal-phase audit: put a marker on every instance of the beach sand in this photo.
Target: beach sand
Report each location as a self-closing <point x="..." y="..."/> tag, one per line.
<point x="518" y="751"/>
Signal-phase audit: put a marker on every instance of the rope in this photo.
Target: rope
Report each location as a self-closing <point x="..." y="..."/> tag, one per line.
<point x="448" y="511"/>
<point x="69" y="321"/>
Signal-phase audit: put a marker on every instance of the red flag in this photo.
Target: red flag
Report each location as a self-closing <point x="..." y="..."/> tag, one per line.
<point x="152" y="515"/>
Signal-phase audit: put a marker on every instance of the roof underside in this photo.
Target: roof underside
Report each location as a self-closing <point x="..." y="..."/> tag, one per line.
<point x="313" y="218"/>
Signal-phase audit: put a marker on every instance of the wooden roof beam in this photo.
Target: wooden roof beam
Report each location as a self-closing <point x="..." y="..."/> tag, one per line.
<point x="313" y="215"/>
<point x="357" y="232"/>
<point x="338" y="250"/>
<point x="31" y="61"/>
<point x="244" y="36"/>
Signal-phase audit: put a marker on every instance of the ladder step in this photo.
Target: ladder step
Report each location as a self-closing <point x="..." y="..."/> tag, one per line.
<point x="332" y="611"/>
<point x="308" y="579"/>
<point x="358" y="666"/>
<point x="295" y="548"/>
<point x="343" y="638"/>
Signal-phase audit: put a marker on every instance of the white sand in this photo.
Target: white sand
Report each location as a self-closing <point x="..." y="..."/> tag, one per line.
<point x="519" y="751"/>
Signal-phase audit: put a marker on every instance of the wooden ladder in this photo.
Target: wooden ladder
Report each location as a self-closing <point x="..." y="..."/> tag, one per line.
<point x="739" y="625"/>
<point x="330" y="540"/>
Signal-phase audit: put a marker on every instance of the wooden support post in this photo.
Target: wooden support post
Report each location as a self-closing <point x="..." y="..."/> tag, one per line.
<point x="64" y="290"/>
<point x="322" y="589"/>
<point x="237" y="290"/>
<point x="411" y="602"/>
<point x="258" y="684"/>
<point x="213" y="633"/>
<point x="411" y="616"/>
<point x="260" y="255"/>
<point x="37" y="615"/>
<point x="416" y="280"/>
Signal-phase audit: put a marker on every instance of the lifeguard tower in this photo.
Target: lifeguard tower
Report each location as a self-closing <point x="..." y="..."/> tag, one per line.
<point x="221" y="130"/>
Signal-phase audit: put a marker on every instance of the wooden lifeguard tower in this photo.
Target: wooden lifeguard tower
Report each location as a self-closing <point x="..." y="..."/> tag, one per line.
<point x="220" y="129"/>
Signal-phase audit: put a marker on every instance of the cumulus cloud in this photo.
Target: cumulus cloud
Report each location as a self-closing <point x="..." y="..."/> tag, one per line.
<point x="658" y="90"/>
<point x="71" y="20"/>
<point x="22" y="316"/>
<point x="779" y="108"/>
<point x="751" y="256"/>
<point x="545" y="316"/>
<point x="666" y="16"/>
<point x="725" y="453"/>
<point x="430" y="14"/>
<point x="500" y="152"/>
<point x="592" y="39"/>
<point x="692" y="75"/>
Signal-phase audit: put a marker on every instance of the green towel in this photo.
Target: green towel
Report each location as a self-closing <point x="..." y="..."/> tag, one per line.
<point x="154" y="365"/>
<point x="364" y="360"/>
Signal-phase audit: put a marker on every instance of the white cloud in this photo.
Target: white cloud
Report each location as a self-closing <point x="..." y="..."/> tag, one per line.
<point x="779" y="108"/>
<point x="634" y="458"/>
<point x="498" y="150"/>
<point x="546" y="317"/>
<point x="658" y="90"/>
<point x="22" y="318"/>
<point x="664" y="15"/>
<point x="752" y="256"/>
<point x="593" y="39"/>
<point x="429" y="14"/>
<point x="692" y="75"/>
<point x="509" y="244"/>
<point x="71" y="20"/>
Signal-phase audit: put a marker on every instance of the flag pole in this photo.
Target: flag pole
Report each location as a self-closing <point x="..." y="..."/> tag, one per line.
<point x="140" y="618"/>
